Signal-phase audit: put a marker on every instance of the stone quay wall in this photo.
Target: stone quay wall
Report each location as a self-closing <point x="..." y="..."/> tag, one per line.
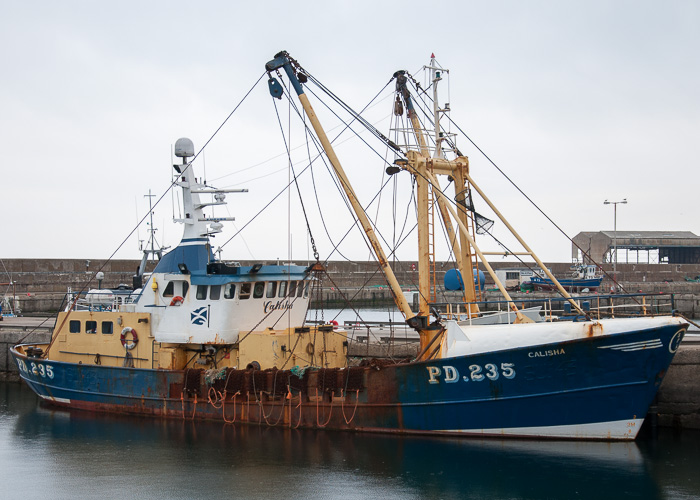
<point x="41" y="284"/>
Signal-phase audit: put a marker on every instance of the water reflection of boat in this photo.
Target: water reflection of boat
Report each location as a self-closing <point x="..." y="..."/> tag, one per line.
<point x="199" y="338"/>
<point x="133" y="454"/>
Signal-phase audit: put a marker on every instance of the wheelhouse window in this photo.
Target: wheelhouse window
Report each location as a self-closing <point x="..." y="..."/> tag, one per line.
<point x="169" y="289"/>
<point x="185" y="288"/>
<point x="283" y="289"/>
<point x="271" y="289"/>
<point x="306" y="289"/>
<point x="91" y="327"/>
<point x="292" y="289"/>
<point x="229" y="290"/>
<point x="107" y="327"/>
<point x="74" y="326"/>
<point x="245" y="291"/>
<point x="202" y="292"/>
<point x="214" y="292"/>
<point x="300" y="289"/>
<point x="258" y="289"/>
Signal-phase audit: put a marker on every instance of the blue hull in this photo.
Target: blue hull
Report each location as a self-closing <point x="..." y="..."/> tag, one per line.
<point x="568" y="284"/>
<point x="571" y="384"/>
<point x="597" y="387"/>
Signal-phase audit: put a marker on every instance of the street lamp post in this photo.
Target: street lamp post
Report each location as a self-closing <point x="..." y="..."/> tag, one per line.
<point x="614" y="204"/>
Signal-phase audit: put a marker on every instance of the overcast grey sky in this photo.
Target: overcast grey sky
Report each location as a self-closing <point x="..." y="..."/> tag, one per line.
<point x="577" y="101"/>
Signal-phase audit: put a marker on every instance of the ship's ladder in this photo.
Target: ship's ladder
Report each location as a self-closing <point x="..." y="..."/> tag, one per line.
<point x="431" y="246"/>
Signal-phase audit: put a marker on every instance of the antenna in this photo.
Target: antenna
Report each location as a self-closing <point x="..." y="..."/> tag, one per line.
<point x="151" y="230"/>
<point x="150" y="248"/>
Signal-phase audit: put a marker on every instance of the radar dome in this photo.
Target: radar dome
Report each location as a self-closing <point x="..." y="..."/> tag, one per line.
<point x="184" y="148"/>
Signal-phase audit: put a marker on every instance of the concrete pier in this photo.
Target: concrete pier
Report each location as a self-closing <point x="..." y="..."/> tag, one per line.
<point x="20" y="330"/>
<point x="678" y="399"/>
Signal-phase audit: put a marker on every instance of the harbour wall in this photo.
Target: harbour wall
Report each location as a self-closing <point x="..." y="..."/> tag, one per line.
<point x="41" y="284"/>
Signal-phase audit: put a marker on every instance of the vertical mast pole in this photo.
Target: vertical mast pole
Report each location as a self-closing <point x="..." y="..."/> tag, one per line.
<point x="422" y="208"/>
<point x="435" y="78"/>
<point x="460" y="248"/>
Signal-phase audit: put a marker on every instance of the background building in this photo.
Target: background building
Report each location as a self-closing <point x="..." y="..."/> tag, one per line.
<point x="637" y="247"/>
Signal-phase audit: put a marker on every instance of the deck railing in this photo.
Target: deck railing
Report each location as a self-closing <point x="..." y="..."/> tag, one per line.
<point x="595" y="306"/>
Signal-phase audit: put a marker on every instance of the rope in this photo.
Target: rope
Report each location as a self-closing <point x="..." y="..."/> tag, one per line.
<point x="182" y="402"/>
<point x="36" y="328"/>
<point x="217" y="398"/>
<point x="223" y="408"/>
<point x="262" y="408"/>
<point x="290" y="408"/>
<point x="54" y="336"/>
<point x="696" y="325"/>
<point x="342" y="406"/>
<point x="262" y="412"/>
<point x="329" y="413"/>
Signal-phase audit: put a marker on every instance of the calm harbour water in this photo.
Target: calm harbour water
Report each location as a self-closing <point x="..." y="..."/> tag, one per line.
<point x="58" y="454"/>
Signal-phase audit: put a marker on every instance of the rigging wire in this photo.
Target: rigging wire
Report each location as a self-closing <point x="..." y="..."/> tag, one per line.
<point x="174" y="182"/>
<point x="295" y="180"/>
<point x="314" y="139"/>
<point x="532" y="202"/>
<point x="284" y="153"/>
<point x="365" y="123"/>
<point x="586" y="254"/>
<point x="379" y="135"/>
<point x="356" y="116"/>
<point x="458" y="205"/>
<point x="333" y="177"/>
<point x="387" y="141"/>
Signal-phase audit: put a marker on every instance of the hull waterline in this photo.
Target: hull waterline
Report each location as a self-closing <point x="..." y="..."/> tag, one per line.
<point x="595" y="388"/>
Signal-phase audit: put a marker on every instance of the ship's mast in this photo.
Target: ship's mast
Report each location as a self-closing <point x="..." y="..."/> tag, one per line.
<point x="421" y="168"/>
<point x="197" y="224"/>
<point x="424" y="168"/>
<point x="150" y="250"/>
<point x="462" y="251"/>
<point x="435" y="78"/>
<point x="283" y="61"/>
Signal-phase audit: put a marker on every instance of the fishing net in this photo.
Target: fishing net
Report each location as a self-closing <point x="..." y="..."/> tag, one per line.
<point x="483" y="224"/>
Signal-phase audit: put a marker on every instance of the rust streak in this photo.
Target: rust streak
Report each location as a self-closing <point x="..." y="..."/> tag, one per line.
<point x="594" y="329"/>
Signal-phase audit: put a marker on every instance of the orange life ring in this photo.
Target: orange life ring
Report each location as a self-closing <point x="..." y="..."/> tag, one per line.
<point x="177" y="301"/>
<point x="134" y="338"/>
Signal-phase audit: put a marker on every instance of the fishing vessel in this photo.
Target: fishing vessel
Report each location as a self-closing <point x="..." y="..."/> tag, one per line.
<point x="201" y="338"/>
<point x="582" y="278"/>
